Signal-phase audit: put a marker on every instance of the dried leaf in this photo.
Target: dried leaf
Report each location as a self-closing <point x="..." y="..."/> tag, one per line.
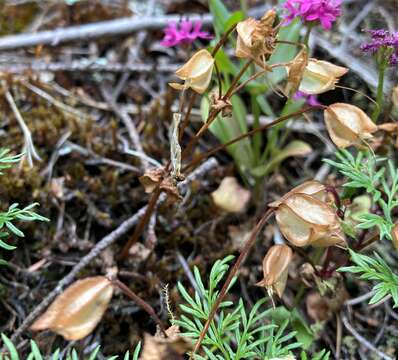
<point x="76" y="312"/>
<point x="160" y="348"/>
<point x="348" y="124"/>
<point x="230" y="196"/>
<point x="151" y="179"/>
<point x="196" y="72"/>
<point x="320" y="76"/>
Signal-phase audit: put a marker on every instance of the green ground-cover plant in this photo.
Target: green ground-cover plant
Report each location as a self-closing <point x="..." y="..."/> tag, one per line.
<point x="377" y="177"/>
<point x="36" y="354"/>
<point x="237" y="333"/>
<point x="14" y="213"/>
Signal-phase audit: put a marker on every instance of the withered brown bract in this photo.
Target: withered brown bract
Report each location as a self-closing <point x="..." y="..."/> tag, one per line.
<point x="76" y="312"/>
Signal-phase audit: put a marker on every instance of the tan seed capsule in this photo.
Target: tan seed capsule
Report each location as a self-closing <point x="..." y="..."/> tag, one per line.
<point x="275" y="268"/>
<point x="76" y="312"/>
<point x="305" y="220"/>
<point x="320" y="76"/>
<point x="196" y="72"/>
<point x="347" y="124"/>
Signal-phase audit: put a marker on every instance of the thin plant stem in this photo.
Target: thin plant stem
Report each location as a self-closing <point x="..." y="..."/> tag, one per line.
<point x="203" y="156"/>
<point x="157" y="191"/>
<point x="141" y="303"/>
<point x="229" y="92"/>
<point x="223" y="292"/>
<point x="140" y="227"/>
<point x="380" y="93"/>
<point x="307" y="35"/>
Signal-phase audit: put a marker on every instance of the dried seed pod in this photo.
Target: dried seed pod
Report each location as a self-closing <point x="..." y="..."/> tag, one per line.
<point x="348" y="124"/>
<point x="151" y="179"/>
<point x="230" y="196"/>
<point x="196" y="72"/>
<point x="275" y="268"/>
<point x="320" y="76"/>
<point x="256" y="38"/>
<point x="296" y="72"/>
<point x="76" y="312"/>
<point x="311" y="187"/>
<point x="306" y="220"/>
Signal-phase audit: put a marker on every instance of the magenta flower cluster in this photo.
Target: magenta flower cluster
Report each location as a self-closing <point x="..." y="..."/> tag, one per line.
<point x="186" y="32"/>
<point x="383" y="39"/>
<point x="323" y="11"/>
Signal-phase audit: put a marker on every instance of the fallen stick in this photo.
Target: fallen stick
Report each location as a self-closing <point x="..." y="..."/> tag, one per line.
<point x="101" y="29"/>
<point x="101" y="246"/>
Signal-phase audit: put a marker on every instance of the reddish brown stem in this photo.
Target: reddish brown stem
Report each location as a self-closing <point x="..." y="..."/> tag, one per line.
<point x="242" y="256"/>
<point x="141" y="303"/>
<point x="140" y="227"/>
<point x="200" y="158"/>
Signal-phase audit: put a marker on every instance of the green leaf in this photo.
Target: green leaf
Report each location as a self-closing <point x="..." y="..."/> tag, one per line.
<point x="220" y="16"/>
<point x="10" y="347"/>
<point x="294" y="148"/>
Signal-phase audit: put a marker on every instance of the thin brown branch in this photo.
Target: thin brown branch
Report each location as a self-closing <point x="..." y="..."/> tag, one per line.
<point x="141" y="303"/>
<point x="242" y="256"/>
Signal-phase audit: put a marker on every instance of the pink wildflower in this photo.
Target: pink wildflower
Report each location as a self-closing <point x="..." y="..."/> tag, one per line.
<point x="310" y="100"/>
<point x="383" y="39"/>
<point x="184" y="33"/>
<point x="323" y="11"/>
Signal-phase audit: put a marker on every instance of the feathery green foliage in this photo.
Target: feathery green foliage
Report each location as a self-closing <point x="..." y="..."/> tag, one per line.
<point x="14" y="212"/>
<point x="235" y="333"/>
<point x="35" y="353"/>
<point x="375" y="268"/>
<point x="364" y="172"/>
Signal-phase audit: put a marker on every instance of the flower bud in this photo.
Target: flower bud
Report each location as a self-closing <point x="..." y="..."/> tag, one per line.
<point x="76" y="312"/>
<point x="320" y="76"/>
<point x="305" y="220"/>
<point x="196" y="72"/>
<point x="348" y="124"/>
<point x="275" y="268"/>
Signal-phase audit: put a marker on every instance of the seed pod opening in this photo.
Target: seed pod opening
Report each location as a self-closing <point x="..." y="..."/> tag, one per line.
<point x="320" y="76"/>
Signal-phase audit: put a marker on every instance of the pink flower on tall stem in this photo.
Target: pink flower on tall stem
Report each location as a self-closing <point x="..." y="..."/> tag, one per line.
<point x="323" y="11"/>
<point x="186" y="32"/>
